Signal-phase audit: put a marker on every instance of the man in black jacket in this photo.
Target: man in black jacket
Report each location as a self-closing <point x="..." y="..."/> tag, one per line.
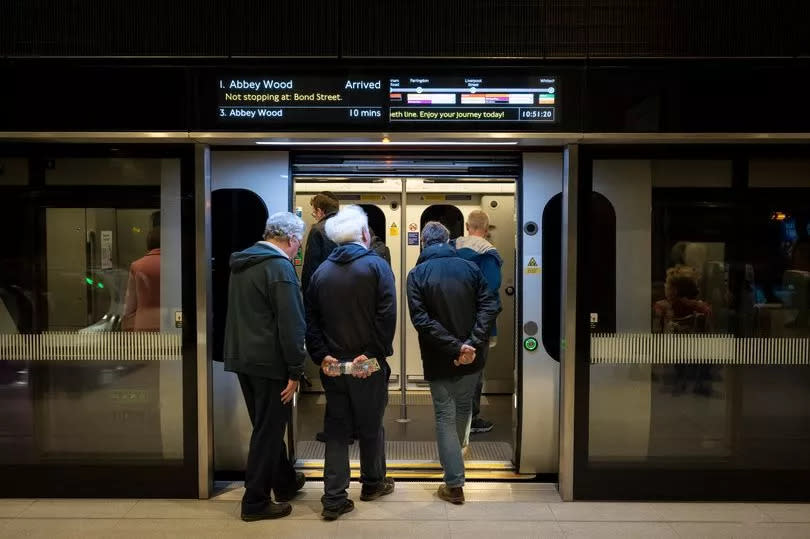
<point x="351" y="317"/>
<point x="264" y="346"/>
<point x="324" y="206"/>
<point x="453" y="311"/>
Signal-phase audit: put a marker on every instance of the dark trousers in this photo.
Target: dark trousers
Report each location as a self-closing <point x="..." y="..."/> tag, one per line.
<point x="354" y="406"/>
<point x="268" y="466"/>
<point x="476" y="406"/>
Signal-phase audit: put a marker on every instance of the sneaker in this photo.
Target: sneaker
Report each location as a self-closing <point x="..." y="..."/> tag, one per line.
<point x="334" y="514"/>
<point x="274" y="510"/>
<point x="453" y="495"/>
<point x="478" y="426"/>
<point x="383" y="489"/>
<point x="465" y="452"/>
<point x="288" y="495"/>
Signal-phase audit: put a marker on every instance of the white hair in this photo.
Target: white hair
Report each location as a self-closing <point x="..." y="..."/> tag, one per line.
<point x="347" y="225"/>
<point x="283" y="226"/>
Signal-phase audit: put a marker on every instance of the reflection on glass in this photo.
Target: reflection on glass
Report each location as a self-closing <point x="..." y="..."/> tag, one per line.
<point x="718" y="373"/>
<point x="90" y="356"/>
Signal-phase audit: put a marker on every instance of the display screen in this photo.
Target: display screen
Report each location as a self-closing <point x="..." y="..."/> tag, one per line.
<point x="285" y="101"/>
<point x="378" y="101"/>
<point x="473" y="99"/>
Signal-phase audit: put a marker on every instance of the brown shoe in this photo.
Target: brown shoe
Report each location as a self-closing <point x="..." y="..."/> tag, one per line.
<point x="451" y="494"/>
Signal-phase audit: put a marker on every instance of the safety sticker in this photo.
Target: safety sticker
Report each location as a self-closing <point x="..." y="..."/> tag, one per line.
<point x="532" y="267"/>
<point x="413" y="227"/>
<point x="413" y="238"/>
<point x="393" y="230"/>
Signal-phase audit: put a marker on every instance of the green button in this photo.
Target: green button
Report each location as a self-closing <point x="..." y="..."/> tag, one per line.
<point x="530" y="344"/>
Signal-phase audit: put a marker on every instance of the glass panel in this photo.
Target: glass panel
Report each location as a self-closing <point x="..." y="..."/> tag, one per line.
<point x="709" y="364"/>
<point x="90" y="350"/>
<point x="13" y="171"/>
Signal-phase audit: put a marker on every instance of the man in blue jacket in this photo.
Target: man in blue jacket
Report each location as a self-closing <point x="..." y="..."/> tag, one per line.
<point x="477" y="249"/>
<point x="264" y="346"/>
<point x="453" y="311"/>
<point x="351" y="317"/>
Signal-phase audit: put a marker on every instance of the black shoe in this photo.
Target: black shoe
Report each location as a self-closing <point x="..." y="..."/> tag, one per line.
<point x="478" y="426"/>
<point x="334" y="514"/>
<point x="383" y="489"/>
<point x="454" y="495"/>
<point x="288" y="495"/>
<point x="274" y="510"/>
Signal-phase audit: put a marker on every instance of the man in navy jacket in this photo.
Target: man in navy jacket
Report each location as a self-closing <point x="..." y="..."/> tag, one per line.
<point x="351" y="317"/>
<point x="453" y="311"/>
<point x="264" y="346"/>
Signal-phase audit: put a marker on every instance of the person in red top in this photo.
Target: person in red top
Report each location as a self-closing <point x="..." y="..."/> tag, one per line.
<point x="142" y="304"/>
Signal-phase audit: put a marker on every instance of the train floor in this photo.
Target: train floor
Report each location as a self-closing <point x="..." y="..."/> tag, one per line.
<point x="411" y="449"/>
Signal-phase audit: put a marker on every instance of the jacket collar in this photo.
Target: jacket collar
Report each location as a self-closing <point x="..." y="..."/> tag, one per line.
<point x="437" y="250"/>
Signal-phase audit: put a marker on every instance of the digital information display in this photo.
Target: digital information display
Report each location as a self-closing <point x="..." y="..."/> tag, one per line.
<point x="471" y="99"/>
<point x="375" y="102"/>
<point x="302" y="100"/>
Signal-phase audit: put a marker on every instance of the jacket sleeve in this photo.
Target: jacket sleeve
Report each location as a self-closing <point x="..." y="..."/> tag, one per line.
<point x="313" y="256"/>
<point x="425" y="325"/>
<point x="492" y="272"/>
<point x="487" y="308"/>
<point x="385" y="319"/>
<point x="291" y="326"/>
<point x="316" y="344"/>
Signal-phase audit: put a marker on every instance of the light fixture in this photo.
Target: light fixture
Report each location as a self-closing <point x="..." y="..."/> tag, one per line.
<point x="386" y="140"/>
<point x="380" y="143"/>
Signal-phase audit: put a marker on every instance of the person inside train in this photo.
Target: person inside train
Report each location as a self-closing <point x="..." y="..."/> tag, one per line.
<point x="681" y="312"/>
<point x="379" y="247"/>
<point x="476" y="248"/>
<point x="351" y="313"/>
<point x="453" y="312"/>
<point x="324" y="206"/>
<point x="264" y="346"/>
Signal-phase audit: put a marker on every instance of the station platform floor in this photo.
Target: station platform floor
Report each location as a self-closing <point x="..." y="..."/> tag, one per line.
<point x="492" y="510"/>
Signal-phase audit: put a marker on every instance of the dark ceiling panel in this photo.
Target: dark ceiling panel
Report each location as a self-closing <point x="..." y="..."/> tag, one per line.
<point x="283" y="28"/>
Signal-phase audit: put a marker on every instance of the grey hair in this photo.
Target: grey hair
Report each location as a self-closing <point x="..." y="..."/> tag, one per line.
<point x="284" y="225"/>
<point x="434" y="232"/>
<point x="347" y="225"/>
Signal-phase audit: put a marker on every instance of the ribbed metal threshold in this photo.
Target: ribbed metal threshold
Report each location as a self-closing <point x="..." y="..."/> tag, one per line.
<point x="405" y="455"/>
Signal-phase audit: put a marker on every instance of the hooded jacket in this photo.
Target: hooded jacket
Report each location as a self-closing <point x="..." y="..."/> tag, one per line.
<point x="484" y="255"/>
<point x="450" y="305"/>
<point x="265" y="328"/>
<point x="351" y="306"/>
<point x="318" y="248"/>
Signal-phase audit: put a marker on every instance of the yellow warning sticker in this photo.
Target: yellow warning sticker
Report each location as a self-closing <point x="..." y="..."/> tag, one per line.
<point x="393" y="230"/>
<point x="434" y="198"/>
<point x="531" y="266"/>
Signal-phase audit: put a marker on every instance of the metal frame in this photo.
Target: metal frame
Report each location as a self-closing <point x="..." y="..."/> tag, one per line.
<point x="568" y="318"/>
<point x="205" y="411"/>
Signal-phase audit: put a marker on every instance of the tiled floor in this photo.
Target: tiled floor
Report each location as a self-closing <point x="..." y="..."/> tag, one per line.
<point x="492" y="510"/>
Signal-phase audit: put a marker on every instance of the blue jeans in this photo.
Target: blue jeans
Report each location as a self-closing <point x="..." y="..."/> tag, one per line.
<point x="452" y="404"/>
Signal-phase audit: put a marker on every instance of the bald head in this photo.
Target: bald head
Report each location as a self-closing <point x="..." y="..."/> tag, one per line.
<point x="478" y="223"/>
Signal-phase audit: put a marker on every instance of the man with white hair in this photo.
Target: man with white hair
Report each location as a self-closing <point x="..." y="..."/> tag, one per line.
<point x="351" y="317"/>
<point x="264" y="346"/>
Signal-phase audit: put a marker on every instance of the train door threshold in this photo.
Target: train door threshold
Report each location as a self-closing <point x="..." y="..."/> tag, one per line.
<point x="417" y="460"/>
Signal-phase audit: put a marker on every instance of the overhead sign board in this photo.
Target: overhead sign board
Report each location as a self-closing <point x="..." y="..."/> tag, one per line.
<point x="382" y="101"/>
